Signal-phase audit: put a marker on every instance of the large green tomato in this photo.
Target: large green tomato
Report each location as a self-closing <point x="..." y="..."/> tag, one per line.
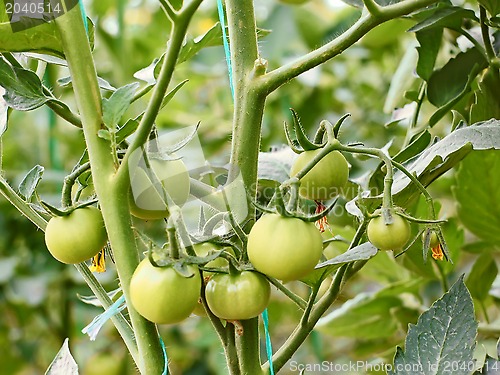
<point x="389" y="236"/>
<point x="163" y="296"/>
<point x="284" y="248"/>
<point x="76" y="237"/>
<point x="167" y="182"/>
<point x="326" y="179"/>
<point x="237" y="297"/>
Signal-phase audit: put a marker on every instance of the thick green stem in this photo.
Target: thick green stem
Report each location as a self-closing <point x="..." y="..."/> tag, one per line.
<point x="248" y="102"/>
<point x="248" y="348"/>
<point x="112" y="194"/>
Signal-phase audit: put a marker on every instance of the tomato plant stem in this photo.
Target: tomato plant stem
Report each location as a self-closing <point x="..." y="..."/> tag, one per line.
<point x="177" y="35"/>
<point x="248" y="347"/>
<point x="112" y="194"/>
<point x="248" y="102"/>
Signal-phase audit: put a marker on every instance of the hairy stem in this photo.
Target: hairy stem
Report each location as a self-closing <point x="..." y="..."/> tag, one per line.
<point x="177" y="35"/>
<point x="112" y="194"/>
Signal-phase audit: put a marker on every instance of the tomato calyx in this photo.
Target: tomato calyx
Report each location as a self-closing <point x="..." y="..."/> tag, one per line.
<point x="298" y="140"/>
<point x="281" y="208"/>
<point x="433" y="239"/>
<point x="66" y="211"/>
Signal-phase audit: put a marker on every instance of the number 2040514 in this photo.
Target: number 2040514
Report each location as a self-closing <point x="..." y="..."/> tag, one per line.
<point x="37" y="8"/>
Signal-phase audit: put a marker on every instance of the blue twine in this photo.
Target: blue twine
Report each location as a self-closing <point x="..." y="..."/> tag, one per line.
<point x="165" y="358"/>
<point x="84" y="16"/>
<point x="269" y="348"/>
<point x="95" y="326"/>
<point x="227" y="52"/>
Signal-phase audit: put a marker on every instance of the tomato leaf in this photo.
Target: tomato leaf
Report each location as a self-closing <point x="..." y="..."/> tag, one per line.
<point x="30" y="182"/>
<point x="449" y="82"/>
<point x="103" y="84"/>
<point x="477" y="194"/>
<point x="445" y="154"/>
<point x="366" y="316"/>
<point x="361" y="252"/>
<point x="23" y="88"/>
<point x="63" y="363"/>
<point x="114" y="107"/>
<point x="493" y="6"/>
<point x="213" y="37"/>
<point x="445" y="334"/>
<point x="131" y="125"/>
<point x="449" y="16"/>
<point x="481" y="277"/>
<point x="430" y="42"/>
<point x="487" y="100"/>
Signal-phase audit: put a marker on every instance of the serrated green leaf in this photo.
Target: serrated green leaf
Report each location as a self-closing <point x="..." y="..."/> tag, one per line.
<point x="114" y="107"/>
<point x="450" y="17"/>
<point x="444" y="335"/>
<point x="131" y="125"/>
<point x="487" y="98"/>
<point x="191" y="47"/>
<point x="430" y="42"/>
<point x="103" y="84"/>
<point x="365" y="316"/>
<point x="63" y="363"/>
<point x="23" y="89"/>
<point x="29" y="183"/>
<point x="481" y="277"/>
<point x="361" y="252"/>
<point x="449" y="82"/>
<point x="446" y="153"/>
<point x="42" y="38"/>
<point x="477" y="194"/>
<point x="493" y="7"/>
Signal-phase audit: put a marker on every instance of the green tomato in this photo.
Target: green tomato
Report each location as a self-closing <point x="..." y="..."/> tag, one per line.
<point x="284" y="248"/>
<point x="237" y="297"/>
<point x="326" y="179"/>
<point x="389" y="236"/>
<point x="152" y="193"/>
<point x="76" y="237"/>
<point x="434" y="240"/>
<point x="163" y="296"/>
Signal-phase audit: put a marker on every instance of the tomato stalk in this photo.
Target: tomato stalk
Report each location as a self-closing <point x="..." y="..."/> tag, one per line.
<point x="68" y="183"/>
<point x="112" y="194"/>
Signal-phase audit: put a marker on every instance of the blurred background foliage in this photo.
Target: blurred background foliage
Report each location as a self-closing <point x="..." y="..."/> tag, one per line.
<point x="39" y="301"/>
